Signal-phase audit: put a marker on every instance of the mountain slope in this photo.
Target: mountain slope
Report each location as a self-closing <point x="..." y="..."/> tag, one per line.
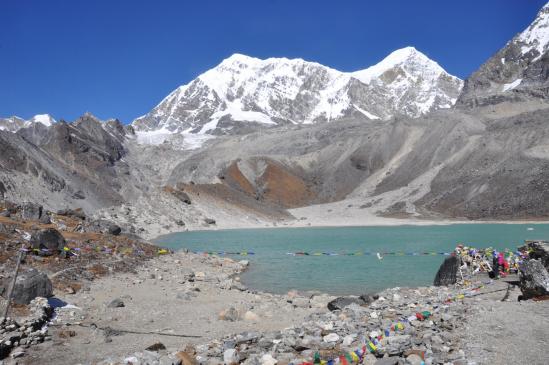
<point x="279" y="91"/>
<point x="517" y="71"/>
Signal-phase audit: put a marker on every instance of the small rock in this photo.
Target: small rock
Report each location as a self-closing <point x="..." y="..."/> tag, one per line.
<point x="186" y="358"/>
<point x="230" y="315"/>
<point x="267" y="359"/>
<point x="156" y="347"/>
<point x="67" y="333"/>
<point x="251" y="316"/>
<point x="349" y="339"/>
<point x="331" y="337"/>
<point x="17" y="353"/>
<point x="116" y="303"/>
<point x="414" y="359"/>
<point x="230" y="357"/>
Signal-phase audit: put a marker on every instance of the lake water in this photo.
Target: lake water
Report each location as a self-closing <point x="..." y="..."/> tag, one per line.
<point x="356" y="269"/>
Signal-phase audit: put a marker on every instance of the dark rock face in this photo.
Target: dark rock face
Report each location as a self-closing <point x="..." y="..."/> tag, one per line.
<point x="29" y="285"/>
<point x="49" y="238"/>
<point x="447" y="272"/>
<point x="534" y="279"/>
<point x="520" y="62"/>
<point x="209" y="221"/>
<point x="342" y="302"/>
<point x="31" y="211"/>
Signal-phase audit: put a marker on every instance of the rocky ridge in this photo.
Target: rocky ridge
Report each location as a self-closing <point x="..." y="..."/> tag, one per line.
<point x="14" y="123"/>
<point x="516" y="72"/>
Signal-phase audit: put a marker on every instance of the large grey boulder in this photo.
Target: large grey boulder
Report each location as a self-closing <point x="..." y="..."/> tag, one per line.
<point x="447" y="272"/>
<point x="49" y="238"/>
<point x="29" y="285"/>
<point x="31" y="211"/>
<point x="534" y="279"/>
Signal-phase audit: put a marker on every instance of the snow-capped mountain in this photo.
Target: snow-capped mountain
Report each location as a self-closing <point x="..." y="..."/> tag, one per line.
<point x="243" y="92"/>
<point x="13" y="124"/>
<point x="519" y="68"/>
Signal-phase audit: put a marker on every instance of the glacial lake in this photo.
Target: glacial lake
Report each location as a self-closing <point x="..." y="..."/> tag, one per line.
<point x="343" y="260"/>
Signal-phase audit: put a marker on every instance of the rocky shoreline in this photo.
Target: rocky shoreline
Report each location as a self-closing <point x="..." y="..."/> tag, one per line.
<point x="119" y="300"/>
<point x="203" y="297"/>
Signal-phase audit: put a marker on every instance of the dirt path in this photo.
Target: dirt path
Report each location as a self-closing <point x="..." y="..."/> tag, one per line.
<point x="509" y="331"/>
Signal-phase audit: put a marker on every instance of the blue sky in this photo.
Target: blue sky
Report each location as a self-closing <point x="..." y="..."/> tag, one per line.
<point x="120" y="58"/>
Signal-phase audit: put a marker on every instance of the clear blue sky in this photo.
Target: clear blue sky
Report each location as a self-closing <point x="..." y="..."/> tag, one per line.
<point x="119" y="58"/>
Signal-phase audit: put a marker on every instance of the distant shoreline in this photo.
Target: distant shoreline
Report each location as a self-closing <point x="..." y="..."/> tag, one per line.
<point x="404" y="222"/>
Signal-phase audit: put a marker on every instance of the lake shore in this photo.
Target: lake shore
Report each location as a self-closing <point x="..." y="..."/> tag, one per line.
<point x="379" y="222"/>
<point x="189" y="294"/>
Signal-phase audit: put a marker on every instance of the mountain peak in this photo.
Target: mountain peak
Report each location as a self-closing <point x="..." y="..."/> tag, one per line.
<point x="239" y="58"/>
<point x="44" y="119"/>
<point x="536" y="36"/>
<point x="243" y="93"/>
<point x="408" y="58"/>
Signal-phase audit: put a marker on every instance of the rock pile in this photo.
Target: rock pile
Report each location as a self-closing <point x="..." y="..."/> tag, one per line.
<point x="400" y="326"/>
<point x="16" y="337"/>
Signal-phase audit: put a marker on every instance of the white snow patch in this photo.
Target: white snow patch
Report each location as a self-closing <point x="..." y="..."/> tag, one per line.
<point x="45" y="119"/>
<point x="190" y="141"/>
<point x="236" y="111"/>
<point x="366" y="113"/>
<point x="511" y="85"/>
<point x="155" y="137"/>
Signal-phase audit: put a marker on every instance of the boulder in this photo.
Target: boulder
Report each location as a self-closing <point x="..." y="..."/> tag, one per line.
<point x="209" y="221"/>
<point x="396" y="345"/>
<point x="538" y="250"/>
<point x="102" y="226"/>
<point x="116" y="303"/>
<point x="31" y="210"/>
<point x="157" y="346"/>
<point x="29" y="285"/>
<point x="48" y="238"/>
<point x="230" y="315"/>
<point x="342" y="302"/>
<point x="182" y="196"/>
<point x="447" y="272"/>
<point x="45" y="219"/>
<point x="534" y="279"/>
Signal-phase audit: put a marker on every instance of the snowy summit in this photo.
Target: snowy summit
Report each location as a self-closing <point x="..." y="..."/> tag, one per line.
<point x="243" y="92"/>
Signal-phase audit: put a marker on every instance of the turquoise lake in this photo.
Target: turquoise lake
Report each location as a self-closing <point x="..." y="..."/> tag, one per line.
<point x="273" y="270"/>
